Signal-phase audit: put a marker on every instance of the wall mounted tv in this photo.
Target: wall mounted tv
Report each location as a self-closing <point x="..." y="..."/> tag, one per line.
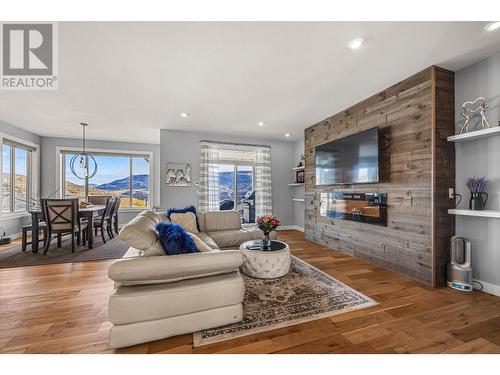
<point x="350" y="160"/>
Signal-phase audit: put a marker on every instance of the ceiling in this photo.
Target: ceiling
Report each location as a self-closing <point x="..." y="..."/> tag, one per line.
<point x="128" y="80"/>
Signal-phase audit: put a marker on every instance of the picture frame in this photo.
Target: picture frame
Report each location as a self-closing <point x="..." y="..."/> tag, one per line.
<point x="299" y="176"/>
<point x="178" y="174"/>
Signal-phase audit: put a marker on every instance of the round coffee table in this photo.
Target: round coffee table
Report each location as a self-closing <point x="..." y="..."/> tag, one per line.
<point x="265" y="264"/>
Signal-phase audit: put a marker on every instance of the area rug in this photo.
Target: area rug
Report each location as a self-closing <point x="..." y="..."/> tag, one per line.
<point x="14" y="257"/>
<point x="305" y="294"/>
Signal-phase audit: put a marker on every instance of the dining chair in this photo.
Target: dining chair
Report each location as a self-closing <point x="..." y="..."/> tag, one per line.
<point x="61" y="217"/>
<point x="25" y="229"/>
<point x="99" y="200"/>
<point x="114" y="215"/>
<point x="103" y="223"/>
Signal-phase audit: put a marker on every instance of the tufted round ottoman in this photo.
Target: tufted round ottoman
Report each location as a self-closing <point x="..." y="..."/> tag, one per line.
<point x="265" y="264"/>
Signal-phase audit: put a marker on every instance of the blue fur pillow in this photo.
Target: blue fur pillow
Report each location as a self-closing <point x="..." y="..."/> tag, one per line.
<point x="175" y="240"/>
<point x="192" y="209"/>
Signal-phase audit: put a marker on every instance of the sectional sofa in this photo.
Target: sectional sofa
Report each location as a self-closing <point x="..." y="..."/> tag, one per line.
<point x="157" y="296"/>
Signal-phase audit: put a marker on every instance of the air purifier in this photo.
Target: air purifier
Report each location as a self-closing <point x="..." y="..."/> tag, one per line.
<point x="459" y="271"/>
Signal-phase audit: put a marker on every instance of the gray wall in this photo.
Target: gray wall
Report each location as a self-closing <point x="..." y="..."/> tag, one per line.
<point x="177" y="146"/>
<point x="49" y="161"/>
<point x="480" y="158"/>
<point x="299" y="191"/>
<point x="14" y="131"/>
<point x="13" y="225"/>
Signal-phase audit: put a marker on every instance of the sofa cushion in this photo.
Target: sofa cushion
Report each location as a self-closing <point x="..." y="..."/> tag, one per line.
<point x="129" y="304"/>
<point x="162" y="216"/>
<point x="175" y="239"/>
<point x="222" y="220"/>
<point x="200" y="245"/>
<point x="155" y="250"/>
<point x="234" y="238"/>
<point x="139" y="233"/>
<point x="200" y="219"/>
<point x="151" y="215"/>
<point x="208" y="240"/>
<point x="154" y="270"/>
<point x="171" y="211"/>
<point x="187" y="220"/>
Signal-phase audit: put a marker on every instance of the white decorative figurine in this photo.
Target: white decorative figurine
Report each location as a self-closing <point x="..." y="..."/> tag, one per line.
<point x="468" y="108"/>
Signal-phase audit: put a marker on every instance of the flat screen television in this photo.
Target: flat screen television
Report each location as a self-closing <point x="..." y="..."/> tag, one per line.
<point x="350" y="160"/>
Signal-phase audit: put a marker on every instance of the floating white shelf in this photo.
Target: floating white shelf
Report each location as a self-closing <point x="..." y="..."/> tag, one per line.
<point x="298" y="168"/>
<point x="296" y="184"/>
<point x="298" y="199"/>
<point x="478" y="213"/>
<point x="477" y="134"/>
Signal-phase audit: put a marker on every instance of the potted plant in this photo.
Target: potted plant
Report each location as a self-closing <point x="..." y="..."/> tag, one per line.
<point x="477" y="188"/>
<point x="302" y="160"/>
<point x="267" y="223"/>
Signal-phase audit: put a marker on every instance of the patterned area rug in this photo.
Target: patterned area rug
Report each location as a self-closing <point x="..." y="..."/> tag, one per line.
<point x="305" y="294"/>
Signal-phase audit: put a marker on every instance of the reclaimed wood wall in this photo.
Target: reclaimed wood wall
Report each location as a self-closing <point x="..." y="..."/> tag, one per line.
<point x="416" y="169"/>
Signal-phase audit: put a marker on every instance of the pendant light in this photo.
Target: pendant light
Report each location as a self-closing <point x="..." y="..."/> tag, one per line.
<point x="83" y="165"/>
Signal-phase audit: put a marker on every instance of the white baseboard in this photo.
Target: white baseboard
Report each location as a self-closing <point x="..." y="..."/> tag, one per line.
<point x="490" y="288"/>
<point x="291" y="227"/>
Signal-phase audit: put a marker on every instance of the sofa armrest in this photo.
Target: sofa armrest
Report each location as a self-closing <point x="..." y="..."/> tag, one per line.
<point x="170" y="268"/>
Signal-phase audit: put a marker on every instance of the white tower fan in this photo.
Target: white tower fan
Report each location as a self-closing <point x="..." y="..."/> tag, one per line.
<point x="459" y="271"/>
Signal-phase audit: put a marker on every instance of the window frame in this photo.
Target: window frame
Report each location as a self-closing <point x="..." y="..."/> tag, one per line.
<point x="237" y="164"/>
<point x="235" y="178"/>
<point x="32" y="173"/>
<point x="61" y="151"/>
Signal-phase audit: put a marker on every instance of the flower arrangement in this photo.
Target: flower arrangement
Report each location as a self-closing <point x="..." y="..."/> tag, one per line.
<point x="268" y="223"/>
<point x="476" y="184"/>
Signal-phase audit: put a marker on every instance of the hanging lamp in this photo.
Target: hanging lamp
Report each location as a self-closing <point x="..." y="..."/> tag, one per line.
<point x="83" y="165"/>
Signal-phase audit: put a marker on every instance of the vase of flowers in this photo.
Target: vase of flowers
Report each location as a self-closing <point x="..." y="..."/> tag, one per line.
<point x="267" y="223"/>
<point x="478" y="195"/>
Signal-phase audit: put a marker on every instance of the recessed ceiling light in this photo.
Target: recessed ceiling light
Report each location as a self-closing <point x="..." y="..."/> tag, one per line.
<point x="287" y="135"/>
<point x="355" y="43"/>
<point x="260" y="123"/>
<point x="492" y="26"/>
<point x="184" y="114"/>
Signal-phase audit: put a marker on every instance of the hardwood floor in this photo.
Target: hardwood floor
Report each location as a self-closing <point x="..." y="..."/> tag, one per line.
<point x="62" y="308"/>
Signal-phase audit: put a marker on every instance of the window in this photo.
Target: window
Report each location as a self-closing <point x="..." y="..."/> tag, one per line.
<point x="235" y="177"/>
<point x="126" y="176"/>
<point x="16" y="176"/>
<point x="234" y="182"/>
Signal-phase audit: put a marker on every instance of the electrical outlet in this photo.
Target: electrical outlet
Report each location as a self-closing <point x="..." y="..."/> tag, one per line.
<point x="451" y="193"/>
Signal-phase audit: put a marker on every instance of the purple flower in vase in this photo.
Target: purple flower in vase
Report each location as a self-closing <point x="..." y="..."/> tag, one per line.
<point x="476" y="184"/>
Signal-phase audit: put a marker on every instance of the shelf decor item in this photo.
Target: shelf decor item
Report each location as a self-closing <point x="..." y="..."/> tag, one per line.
<point x="477" y="188"/>
<point x="267" y="223"/>
<point x="299" y="176"/>
<point x="302" y="159"/>
<point x="469" y="108"/>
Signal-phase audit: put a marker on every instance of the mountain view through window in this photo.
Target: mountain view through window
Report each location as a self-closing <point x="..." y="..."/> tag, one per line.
<point x="126" y="176"/>
<point x="232" y="192"/>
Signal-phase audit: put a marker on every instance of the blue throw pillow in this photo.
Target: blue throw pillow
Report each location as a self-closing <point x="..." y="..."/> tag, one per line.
<point x="175" y="240"/>
<point x="192" y="209"/>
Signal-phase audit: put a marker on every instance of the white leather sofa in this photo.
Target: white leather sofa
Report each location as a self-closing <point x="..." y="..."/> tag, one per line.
<point x="157" y="296"/>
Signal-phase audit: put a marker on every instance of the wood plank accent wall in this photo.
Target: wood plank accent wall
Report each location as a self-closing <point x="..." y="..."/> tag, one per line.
<point x="417" y="167"/>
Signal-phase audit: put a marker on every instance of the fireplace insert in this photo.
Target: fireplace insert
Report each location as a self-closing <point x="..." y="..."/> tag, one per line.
<point x="368" y="208"/>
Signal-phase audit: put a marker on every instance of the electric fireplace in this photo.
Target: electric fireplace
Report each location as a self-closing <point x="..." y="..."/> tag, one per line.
<point x="368" y="208"/>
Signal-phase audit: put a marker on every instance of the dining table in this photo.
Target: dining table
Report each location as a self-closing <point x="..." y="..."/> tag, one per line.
<point x="86" y="213"/>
